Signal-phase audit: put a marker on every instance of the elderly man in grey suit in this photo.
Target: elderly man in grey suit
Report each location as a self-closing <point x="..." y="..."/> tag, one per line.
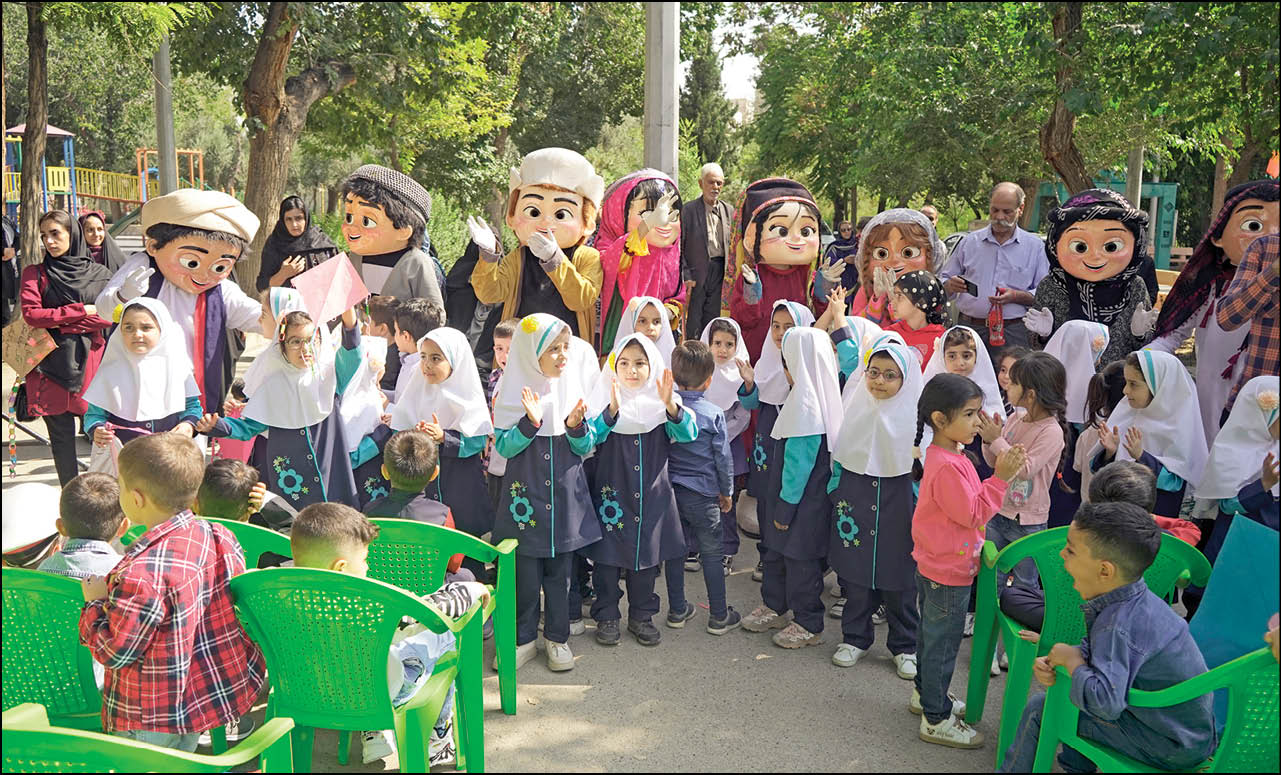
<point x="706" y="228"/>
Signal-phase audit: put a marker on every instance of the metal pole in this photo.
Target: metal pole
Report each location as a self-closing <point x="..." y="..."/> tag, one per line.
<point x="1134" y="177"/>
<point x="168" y="161"/>
<point x="662" y="90"/>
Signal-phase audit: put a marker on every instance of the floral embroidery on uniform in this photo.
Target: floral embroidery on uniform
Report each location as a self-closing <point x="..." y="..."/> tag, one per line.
<point x="758" y="454"/>
<point x="611" y="512"/>
<point x="845" y="526"/>
<point x="521" y="509"/>
<point x="374" y="488"/>
<point x="295" y="488"/>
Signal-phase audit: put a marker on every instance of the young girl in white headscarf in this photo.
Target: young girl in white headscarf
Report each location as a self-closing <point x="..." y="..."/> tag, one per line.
<point x="649" y="316"/>
<point x="637" y="415"/>
<point x="870" y="541"/>
<point x="795" y="513"/>
<point x="1077" y="344"/>
<point x="733" y="381"/>
<point x="961" y="352"/>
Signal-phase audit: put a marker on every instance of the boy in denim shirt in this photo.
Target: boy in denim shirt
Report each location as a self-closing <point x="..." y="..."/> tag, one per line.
<point x="702" y="475"/>
<point x="89" y="518"/>
<point x="1133" y="639"/>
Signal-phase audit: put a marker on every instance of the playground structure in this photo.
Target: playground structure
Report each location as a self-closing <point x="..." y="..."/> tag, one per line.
<point x="75" y="184"/>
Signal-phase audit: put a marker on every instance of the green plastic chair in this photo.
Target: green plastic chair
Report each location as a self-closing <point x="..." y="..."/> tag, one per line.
<point x="1177" y="562"/>
<point x="1249" y="739"/>
<point x="32" y="745"/>
<point x="254" y="539"/>
<point x="326" y="635"/>
<point x="132" y="534"/>
<point x="43" y="660"/>
<point x="413" y="556"/>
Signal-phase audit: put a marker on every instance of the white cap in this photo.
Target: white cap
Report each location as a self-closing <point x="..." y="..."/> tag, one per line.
<point x="30" y="514"/>
<point x="559" y="167"/>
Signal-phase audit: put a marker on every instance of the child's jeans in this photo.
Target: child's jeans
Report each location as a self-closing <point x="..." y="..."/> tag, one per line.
<point x="1003" y="531"/>
<point x="417" y="654"/>
<point x="938" y="639"/>
<point x="701" y="514"/>
<point x="186" y="742"/>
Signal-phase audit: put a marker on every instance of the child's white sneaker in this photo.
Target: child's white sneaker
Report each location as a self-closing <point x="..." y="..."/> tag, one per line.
<point x="996" y="665"/>
<point x="914" y="704"/>
<point x="763" y="618"/>
<point x="1005" y="661"/>
<point x="837" y="609"/>
<point x="375" y="745"/>
<point x="440" y="748"/>
<point x="905" y="666"/>
<point x="847" y="655"/>
<point x="952" y="732"/>
<point x="577" y="627"/>
<point x="559" y="657"/>
<point x="524" y="653"/>
<point x="969" y="626"/>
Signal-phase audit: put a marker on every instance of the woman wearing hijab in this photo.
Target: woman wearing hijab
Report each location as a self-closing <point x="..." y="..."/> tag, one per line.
<point x="103" y="248"/>
<point x="58" y="294"/>
<point x="293" y="247"/>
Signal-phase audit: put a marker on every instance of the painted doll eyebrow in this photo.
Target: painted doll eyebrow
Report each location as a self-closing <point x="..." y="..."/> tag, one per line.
<point x="1249" y="207"/>
<point x="195" y="248"/>
<point x="566" y="200"/>
<point x="539" y="197"/>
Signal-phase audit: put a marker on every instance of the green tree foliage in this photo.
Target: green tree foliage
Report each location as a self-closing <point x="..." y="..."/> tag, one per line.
<point x="703" y="103"/>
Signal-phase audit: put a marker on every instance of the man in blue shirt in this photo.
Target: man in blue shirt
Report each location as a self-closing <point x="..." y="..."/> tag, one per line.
<point x="999" y="255"/>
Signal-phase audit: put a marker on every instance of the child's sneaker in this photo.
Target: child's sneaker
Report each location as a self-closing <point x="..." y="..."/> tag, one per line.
<point x="693" y="562"/>
<point x="952" y="732"/>
<point x="914" y="704"/>
<point x="524" y="653"/>
<point x="236" y="730"/>
<point x="968" y="632"/>
<point x="646" y="633"/>
<point x="905" y="666"/>
<point x="847" y="655"/>
<point x="764" y="618"/>
<point x="837" y="609"/>
<point x="878" y="616"/>
<point x="759" y="572"/>
<point x="996" y="665"/>
<point x="607" y="632"/>
<point x="732" y="621"/>
<point x="440" y="746"/>
<point x="376" y="745"/>
<point x="576" y="627"/>
<point x="559" y="657"/>
<point x="727" y="562"/>
<point x="795" y="636"/>
<point x="676" y="620"/>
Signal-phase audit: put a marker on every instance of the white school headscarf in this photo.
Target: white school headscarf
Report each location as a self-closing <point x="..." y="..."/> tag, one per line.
<point x="145" y="387"/>
<point x="282" y="395"/>
<point x="1243" y="441"/>
<point x="627" y="325"/>
<point x="533" y="337"/>
<point x="639" y="410"/>
<point x="983" y="375"/>
<point x="1078" y="344"/>
<point x="458" y="402"/>
<point x="769" y="368"/>
<point x="362" y="402"/>
<point x="1170" y="430"/>
<point x="877" y="434"/>
<point x="725" y="378"/>
<point x="282" y="301"/>
<point x="865" y="332"/>
<point x="814" y="403"/>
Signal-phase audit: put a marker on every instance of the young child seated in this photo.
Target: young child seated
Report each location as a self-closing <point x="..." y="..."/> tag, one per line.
<point x="89" y="518"/>
<point x="336" y="537"/>
<point x="230" y="490"/>
<point x="178" y="661"/>
<point x="1133" y="639"/>
<point x="411" y="461"/>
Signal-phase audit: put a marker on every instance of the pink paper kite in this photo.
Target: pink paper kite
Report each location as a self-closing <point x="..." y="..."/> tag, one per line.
<point x="331" y="288"/>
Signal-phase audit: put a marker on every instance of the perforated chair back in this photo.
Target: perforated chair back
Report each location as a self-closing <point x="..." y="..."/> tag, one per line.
<point x="255" y="540"/>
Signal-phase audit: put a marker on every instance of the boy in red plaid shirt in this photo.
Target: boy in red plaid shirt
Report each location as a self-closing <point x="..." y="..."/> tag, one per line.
<point x="177" y="661"/>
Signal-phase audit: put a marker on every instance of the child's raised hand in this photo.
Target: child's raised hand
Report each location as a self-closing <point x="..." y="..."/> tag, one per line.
<point x="1271" y="473"/>
<point x="433" y="429"/>
<point x="746" y="371"/>
<point x="990" y="426"/>
<point x="1109" y="438"/>
<point x="1134" y="442"/>
<point x="1010" y="462"/>
<point x="666" y="385"/>
<point x="1043" y="671"/>
<point x="533" y="405"/>
<point x="230" y="406"/>
<point x="102" y="435"/>
<point x="206" y="423"/>
<point x="836" y="299"/>
<point x="349" y="318"/>
<point x="614" y="400"/>
<point x="385" y="419"/>
<point x="257" y="496"/>
<point x="576" y="414"/>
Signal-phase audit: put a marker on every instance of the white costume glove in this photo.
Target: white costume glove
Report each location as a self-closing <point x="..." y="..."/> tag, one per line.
<point x="833" y="273"/>
<point x="749" y="276"/>
<point x="482" y="235"/>
<point x="135" y="284"/>
<point x="662" y="214"/>
<point x="1039" y="321"/>
<point x="883" y="281"/>
<point x="1142" y="320"/>
<point x="548" y="252"/>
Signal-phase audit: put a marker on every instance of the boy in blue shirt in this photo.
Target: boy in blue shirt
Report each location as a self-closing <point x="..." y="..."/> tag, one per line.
<point x="702" y="476"/>
<point x="1133" y="639"/>
<point x="89" y="519"/>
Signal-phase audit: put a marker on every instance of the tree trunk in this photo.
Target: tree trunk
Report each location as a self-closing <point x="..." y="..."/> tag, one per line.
<point x="880" y="204"/>
<point x="1220" y="191"/>
<point x="838" y="208"/>
<point x="1029" y="187"/>
<point x="277" y="110"/>
<point x="1244" y="163"/>
<point x="334" y="201"/>
<point x="854" y="206"/>
<point x="1057" y="145"/>
<point x="497" y="207"/>
<point x="33" y="140"/>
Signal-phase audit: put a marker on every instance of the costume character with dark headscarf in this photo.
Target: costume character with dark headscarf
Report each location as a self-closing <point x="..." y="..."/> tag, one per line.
<point x="775" y="244"/>
<point x="640" y="248"/>
<point x="1095" y="246"/>
<point x="107" y="252"/>
<point x="194" y="239"/>
<point x="1249" y="211"/>
<point x="385" y="217"/>
<point x="312" y="245"/>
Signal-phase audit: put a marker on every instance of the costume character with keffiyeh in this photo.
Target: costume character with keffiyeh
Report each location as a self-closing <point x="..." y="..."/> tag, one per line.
<point x="1095" y="246"/>
<point x="193" y="239"/>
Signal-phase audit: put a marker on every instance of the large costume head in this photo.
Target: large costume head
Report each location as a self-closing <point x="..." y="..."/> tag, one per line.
<point x="384" y="211"/>
<point x="1249" y="211"/>
<point x="899" y="240"/>
<point x="196" y="236"/>
<point x="657" y="273"/>
<point x="1095" y="245"/>
<point x="555" y="191"/>
<point x="778" y="225"/>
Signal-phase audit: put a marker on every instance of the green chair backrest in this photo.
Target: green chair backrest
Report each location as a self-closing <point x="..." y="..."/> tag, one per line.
<point x="413" y="555"/>
<point x="1249" y="742"/>
<point x="255" y="540"/>
<point x="326" y="637"/>
<point x="132" y="534"/>
<point x="43" y="660"/>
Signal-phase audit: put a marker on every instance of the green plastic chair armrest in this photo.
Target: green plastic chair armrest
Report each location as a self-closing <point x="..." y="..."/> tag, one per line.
<point x="507" y="546"/>
<point x="1029" y="546"/>
<point x="253" y="746"/>
<point x="1205" y="683"/>
<point x="988" y="554"/>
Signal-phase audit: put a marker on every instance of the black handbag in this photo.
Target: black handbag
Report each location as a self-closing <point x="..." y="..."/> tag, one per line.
<point x="20" y="409"/>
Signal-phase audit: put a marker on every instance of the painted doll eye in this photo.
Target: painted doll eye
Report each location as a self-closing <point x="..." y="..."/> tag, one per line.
<point x="222" y="267"/>
<point x="1113" y="246"/>
<point x="911" y="251"/>
<point x="368" y="222"/>
<point x="779" y="230"/>
<point x="191" y="263"/>
<point x="880" y="254"/>
<point x="1252" y="225"/>
<point x="532" y="212"/>
<point x="1078" y="246"/>
<point x="347" y="218"/>
<point x="563" y="215"/>
<point x="807" y="231"/>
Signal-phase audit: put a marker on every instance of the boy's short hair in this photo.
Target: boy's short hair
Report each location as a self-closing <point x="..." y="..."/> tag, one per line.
<point x="237" y="390"/>
<point x="692" y="364"/>
<point x="164" y="233"/>
<point x="382" y="310"/>
<point x="330" y="525"/>
<point x="90" y="507"/>
<point x="166" y="467"/>
<point x="1122" y="533"/>
<point x="417" y="317"/>
<point x="224" y="491"/>
<point x="506" y="329"/>
<point x="1124" y="481"/>
<point x="411" y="458"/>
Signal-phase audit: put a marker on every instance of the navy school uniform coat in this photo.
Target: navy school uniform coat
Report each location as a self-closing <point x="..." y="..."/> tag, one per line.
<point x="870" y="541"/>
<point x="799" y="471"/>
<point x="461" y="483"/>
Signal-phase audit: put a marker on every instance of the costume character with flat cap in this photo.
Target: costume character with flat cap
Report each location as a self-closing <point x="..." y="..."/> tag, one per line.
<point x="385" y="215"/>
<point x="1095" y="245"/>
<point x="194" y="238"/>
<point x="776" y="244"/>
<point x="552" y="207"/>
